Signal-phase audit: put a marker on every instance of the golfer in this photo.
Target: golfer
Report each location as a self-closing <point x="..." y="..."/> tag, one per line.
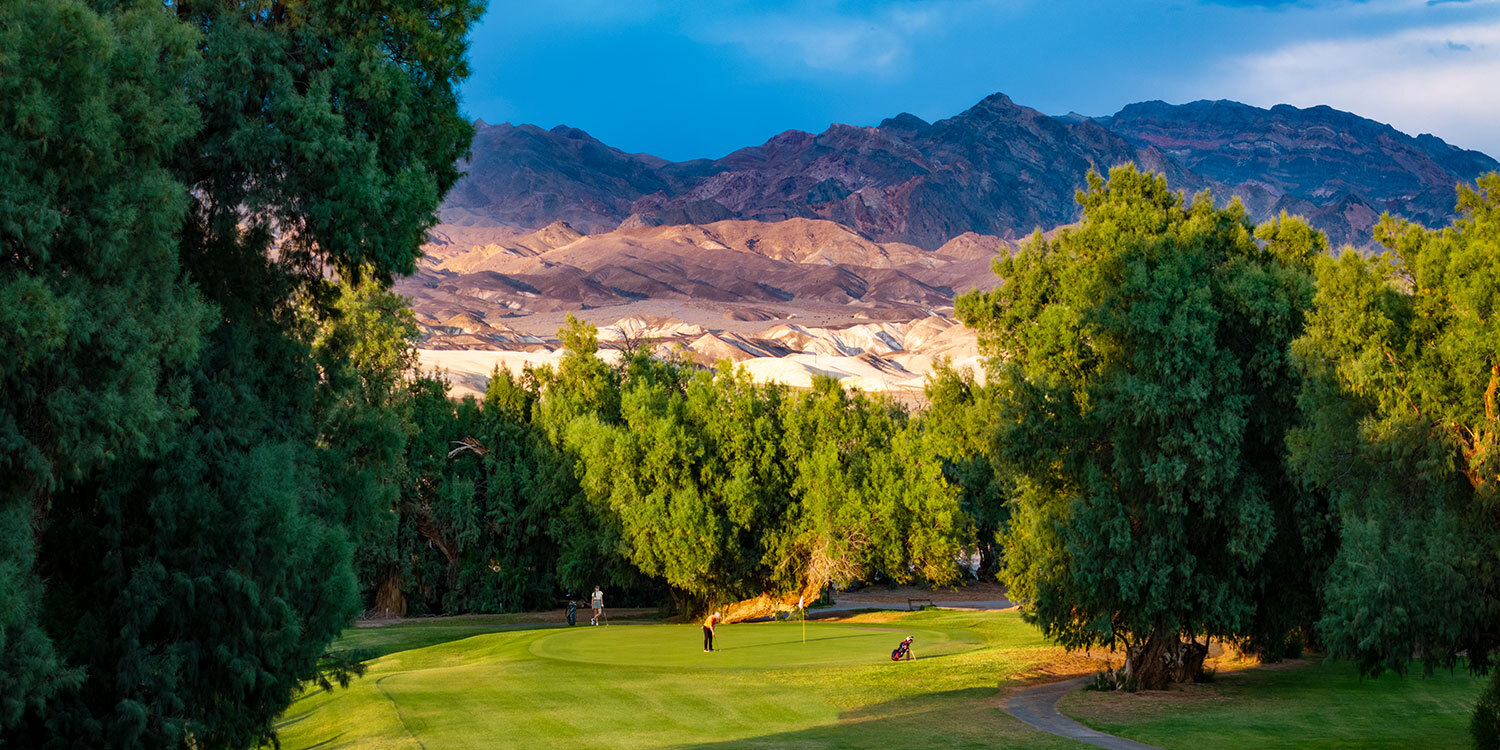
<point x="708" y="632"/>
<point x="598" y="604"/>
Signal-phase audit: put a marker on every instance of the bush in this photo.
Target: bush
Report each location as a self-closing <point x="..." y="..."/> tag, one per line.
<point x="1485" y="726"/>
<point x="1113" y="679"/>
<point x="1294" y="644"/>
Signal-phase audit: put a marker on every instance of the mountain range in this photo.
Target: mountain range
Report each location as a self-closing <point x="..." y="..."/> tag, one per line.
<point x="839" y="253"/>
<point x="997" y="168"/>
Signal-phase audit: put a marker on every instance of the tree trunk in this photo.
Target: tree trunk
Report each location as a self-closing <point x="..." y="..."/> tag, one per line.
<point x="390" y="600"/>
<point x="1164" y="659"/>
<point x="818" y="571"/>
<point x="428" y="528"/>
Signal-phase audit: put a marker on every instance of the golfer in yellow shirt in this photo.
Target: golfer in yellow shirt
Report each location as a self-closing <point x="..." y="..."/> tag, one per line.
<point x="708" y="632"/>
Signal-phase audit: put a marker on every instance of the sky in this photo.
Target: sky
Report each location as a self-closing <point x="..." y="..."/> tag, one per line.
<point x="701" y="78"/>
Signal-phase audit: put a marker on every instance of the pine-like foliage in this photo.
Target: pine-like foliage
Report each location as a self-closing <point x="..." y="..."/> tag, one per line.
<point x="1402" y="424"/>
<point x="180" y="471"/>
<point x="97" y="324"/>
<point x="1146" y="394"/>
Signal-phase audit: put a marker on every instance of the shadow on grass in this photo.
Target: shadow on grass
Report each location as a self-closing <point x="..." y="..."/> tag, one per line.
<point x="373" y="643"/>
<point x="963" y="718"/>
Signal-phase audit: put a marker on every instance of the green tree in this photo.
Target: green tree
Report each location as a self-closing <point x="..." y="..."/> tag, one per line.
<point x="365" y="351"/>
<point x="722" y="488"/>
<point x="1401" y="424"/>
<point x="179" y="551"/>
<point x="580" y="400"/>
<point x="1145" y="385"/>
<point x="960" y="427"/>
<point x="96" y="320"/>
<point x="870" y="501"/>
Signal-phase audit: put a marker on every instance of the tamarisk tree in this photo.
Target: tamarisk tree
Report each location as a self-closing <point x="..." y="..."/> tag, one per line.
<point x="1145" y="396"/>
<point x="1401" y="405"/>
<point x="180" y="185"/>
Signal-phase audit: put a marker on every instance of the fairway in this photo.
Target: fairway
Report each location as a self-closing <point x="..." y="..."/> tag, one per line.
<point x="759" y="645"/>
<point x="651" y="685"/>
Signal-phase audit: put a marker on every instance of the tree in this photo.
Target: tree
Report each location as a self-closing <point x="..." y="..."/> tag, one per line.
<point x="693" y="473"/>
<point x="959" y="426"/>
<point x="365" y="351"/>
<point x="722" y="488"/>
<point x="1401" y="425"/>
<point x="1144" y="375"/>
<point x="96" y="320"/>
<point x="579" y="400"/>
<point x="184" y="185"/>
<point x="869" y="500"/>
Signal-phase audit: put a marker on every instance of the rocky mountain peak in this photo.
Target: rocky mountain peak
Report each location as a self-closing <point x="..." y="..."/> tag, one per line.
<point x="998" y="168"/>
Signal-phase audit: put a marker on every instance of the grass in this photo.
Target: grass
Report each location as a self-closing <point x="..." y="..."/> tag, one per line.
<point x="512" y="681"/>
<point x="1303" y="704"/>
<point x="635" y="685"/>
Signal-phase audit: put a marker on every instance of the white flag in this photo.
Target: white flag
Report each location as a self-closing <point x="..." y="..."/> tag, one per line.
<point x="800" y="605"/>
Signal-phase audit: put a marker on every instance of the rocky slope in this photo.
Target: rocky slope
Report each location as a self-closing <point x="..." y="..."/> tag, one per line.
<point x="998" y="169"/>
<point x="1338" y="169"/>
<point x="496" y="290"/>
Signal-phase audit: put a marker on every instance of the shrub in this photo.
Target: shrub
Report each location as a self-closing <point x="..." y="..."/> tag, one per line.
<point x="1485" y="725"/>
<point x="1294" y="644"/>
<point x="1113" y="679"/>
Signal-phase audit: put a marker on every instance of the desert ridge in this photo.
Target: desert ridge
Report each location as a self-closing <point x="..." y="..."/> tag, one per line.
<point x="788" y="300"/>
<point x="882" y="357"/>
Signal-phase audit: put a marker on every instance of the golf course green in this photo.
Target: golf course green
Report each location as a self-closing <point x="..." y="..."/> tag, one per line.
<point x="754" y="646"/>
<point x="651" y="685"/>
<point x="506" y="681"/>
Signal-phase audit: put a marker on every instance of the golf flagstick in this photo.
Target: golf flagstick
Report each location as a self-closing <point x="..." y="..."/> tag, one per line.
<point x="802" y="605"/>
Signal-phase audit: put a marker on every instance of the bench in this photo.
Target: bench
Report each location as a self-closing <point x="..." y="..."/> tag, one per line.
<point x="911" y="604"/>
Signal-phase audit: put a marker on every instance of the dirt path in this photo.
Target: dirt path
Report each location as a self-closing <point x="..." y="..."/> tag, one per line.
<point x="978" y="596"/>
<point x="1038" y="707"/>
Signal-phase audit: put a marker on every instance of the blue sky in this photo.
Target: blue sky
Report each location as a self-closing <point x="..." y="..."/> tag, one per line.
<point x="699" y="79"/>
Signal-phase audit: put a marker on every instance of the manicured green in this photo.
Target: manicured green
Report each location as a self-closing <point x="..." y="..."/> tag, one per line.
<point x="1311" y="705"/>
<point x="651" y="685"/>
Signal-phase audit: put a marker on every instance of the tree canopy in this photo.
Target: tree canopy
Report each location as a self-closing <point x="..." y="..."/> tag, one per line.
<point x="184" y="189"/>
<point x="1401" y="359"/>
<point x="1146" y="390"/>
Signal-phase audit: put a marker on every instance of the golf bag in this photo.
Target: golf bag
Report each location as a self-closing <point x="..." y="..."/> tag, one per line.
<point x="903" y="651"/>
<point x="572" y="612"/>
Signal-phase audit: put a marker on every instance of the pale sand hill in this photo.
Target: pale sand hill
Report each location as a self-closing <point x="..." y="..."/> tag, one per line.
<point x="893" y="358"/>
<point x="788" y="300"/>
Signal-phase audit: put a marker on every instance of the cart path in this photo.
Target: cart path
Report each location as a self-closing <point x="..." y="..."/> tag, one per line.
<point x="1038" y="707"/>
<point x="850" y="604"/>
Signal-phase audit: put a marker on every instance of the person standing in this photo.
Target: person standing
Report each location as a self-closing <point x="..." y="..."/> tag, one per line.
<point x="598" y="603"/>
<point x="708" y="632"/>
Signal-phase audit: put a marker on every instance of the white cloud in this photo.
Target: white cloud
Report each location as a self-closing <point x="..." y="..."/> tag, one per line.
<point x="835" y="44"/>
<point x="1443" y="80"/>
<point x="813" y="37"/>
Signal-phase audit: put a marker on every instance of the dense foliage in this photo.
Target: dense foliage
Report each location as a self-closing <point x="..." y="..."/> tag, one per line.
<point x="959" y="425"/>
<point x="181" y="471"/>
<point x="1402" y="363"/>
<point x="653" y="474"/>
<point x="1146" y="395"/>
<point x="216" y="450"/>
